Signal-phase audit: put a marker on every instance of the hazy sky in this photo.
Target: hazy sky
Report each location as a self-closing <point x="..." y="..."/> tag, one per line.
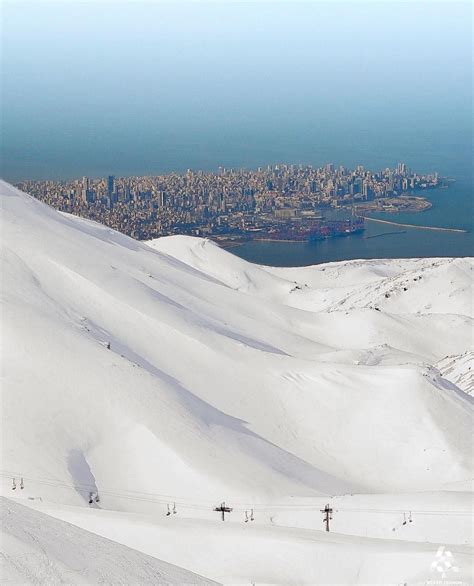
<point x="143" y="87"/>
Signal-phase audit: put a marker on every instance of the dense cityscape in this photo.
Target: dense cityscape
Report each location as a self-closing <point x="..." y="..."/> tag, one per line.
<point x="278" y="202"/>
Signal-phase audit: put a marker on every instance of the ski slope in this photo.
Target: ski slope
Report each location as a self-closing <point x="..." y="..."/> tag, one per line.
<point x="39" y="549"/>
<point x="174" y="372"/>
<point x="260" y="553"/>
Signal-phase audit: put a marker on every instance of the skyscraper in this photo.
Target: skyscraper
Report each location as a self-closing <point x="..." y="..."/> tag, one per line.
<point x="401" y="169"/>
<point x="110" y="184"/>
<point x="85" y="189"/>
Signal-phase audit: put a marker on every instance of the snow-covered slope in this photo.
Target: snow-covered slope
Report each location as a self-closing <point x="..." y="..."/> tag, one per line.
<point x="174" y="372"/>
<point x="224" y="391"/>
<point x="38" y="549"/>
<point x="258" y="553"/>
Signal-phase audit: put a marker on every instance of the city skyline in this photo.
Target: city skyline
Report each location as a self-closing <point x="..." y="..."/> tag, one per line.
<point x="278" y="202"/>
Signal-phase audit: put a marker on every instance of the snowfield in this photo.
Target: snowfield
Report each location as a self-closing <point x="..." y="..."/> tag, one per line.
<point x="171" y="376"/>
<point x="39" y="549"/>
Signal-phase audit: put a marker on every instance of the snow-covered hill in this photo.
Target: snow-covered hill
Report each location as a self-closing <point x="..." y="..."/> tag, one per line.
<point x="174" y="372"/>
<point x="265" y="553"/>
<point x="39" y="549"/>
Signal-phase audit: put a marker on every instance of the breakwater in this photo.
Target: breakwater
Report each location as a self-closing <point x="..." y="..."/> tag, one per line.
<point x="435" y="228"/>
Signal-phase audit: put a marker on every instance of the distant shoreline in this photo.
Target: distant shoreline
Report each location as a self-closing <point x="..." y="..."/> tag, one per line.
<point x="235" y="243"/>
<point x="278" y="240"/>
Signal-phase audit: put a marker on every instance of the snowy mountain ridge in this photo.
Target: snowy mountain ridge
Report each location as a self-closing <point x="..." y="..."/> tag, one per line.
<point x="174" y="372"/>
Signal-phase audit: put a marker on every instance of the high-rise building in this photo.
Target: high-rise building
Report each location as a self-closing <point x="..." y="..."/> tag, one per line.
<point x="367" y="191"/>
<point x="110" y="185"/>
<point x="85" y="189"/>
<point x="401" y="169"/>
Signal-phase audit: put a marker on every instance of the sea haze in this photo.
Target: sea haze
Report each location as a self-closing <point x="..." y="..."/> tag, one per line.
<point x="99" y="88"/>
<point x="144" y="88"/>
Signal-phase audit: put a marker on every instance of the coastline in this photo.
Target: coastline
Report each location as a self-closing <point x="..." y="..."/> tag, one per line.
<point x="278" y="240"/>
<point x="236" y="243"/>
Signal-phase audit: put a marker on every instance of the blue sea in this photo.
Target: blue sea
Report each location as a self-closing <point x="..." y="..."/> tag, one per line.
<point x="99" y="88"/>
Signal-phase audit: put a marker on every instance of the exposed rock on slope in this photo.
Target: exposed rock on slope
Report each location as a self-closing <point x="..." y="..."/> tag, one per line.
<point x="459" y="370"/>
